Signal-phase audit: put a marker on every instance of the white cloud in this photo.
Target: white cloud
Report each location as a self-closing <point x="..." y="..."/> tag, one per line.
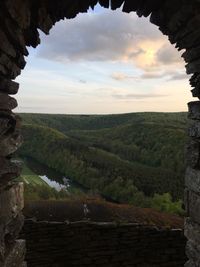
<point x="117" y="63"/>
<point x="107" y="36"/>
<point x="112" y="36"/>
<point x="120" y="76"/>
<point x="137" y="96"/>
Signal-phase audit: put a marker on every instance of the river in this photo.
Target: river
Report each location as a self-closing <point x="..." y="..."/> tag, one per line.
<point x="53" y="178"/>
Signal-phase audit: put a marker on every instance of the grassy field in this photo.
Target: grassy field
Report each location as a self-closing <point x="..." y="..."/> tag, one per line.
<point x="36" y="189"/>
<point x="29" y="177"/>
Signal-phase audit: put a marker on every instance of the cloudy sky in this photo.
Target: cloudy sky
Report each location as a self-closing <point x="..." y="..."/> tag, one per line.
<point x="103" y="62"/>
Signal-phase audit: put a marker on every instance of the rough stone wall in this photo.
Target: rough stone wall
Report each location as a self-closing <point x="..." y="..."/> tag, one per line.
<point x="102" y="245"/>
<point x="19" y="24"/>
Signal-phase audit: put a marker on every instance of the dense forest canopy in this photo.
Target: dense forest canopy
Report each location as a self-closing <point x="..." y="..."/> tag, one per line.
<point x="129" y="157"/>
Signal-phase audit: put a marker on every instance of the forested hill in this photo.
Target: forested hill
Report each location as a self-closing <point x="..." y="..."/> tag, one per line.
<point x="127" y="156"/>
<point x="65" y="123"/>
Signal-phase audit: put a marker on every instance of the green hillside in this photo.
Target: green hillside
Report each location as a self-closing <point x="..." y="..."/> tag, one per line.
<point x="152" y="144"/>
<point x="65" y="123"/>
<point x="128" y="157"/>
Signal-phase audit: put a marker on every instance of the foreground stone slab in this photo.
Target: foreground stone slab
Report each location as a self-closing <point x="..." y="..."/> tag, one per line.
<point x="15" y="256"/>
<point x="92" y="244"/>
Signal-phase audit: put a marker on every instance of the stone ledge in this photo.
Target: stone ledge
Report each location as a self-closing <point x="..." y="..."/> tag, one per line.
<point x="93" y="245"/>
<point x="102" y="225"/>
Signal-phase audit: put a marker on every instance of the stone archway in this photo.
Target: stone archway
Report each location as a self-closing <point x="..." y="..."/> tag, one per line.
<point x="20" y="21"/>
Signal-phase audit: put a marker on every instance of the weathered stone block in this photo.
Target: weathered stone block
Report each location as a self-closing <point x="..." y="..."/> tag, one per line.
<point x="3" y="70"/>
<point x="9" y="170"/>
<point x="193" y="66"/>
<point x="15" y="255"/>
<point x="9" y="123"/>
<point x="32" y="37"/>
<point x="72" y="9"/>
<point x="8" y="86"/>
<point x="179" y="18"/>
<point x="195" y="79"/>
<point x="13" y="229"/>
<point x="157" y="17"/>
<point x="116" y="4"/>
<point x="192" y="35"/>
<point x="84" y="6"/>
<point x="194" y="206"/>
<point x="11" y="219"/>
<point x="193" y="252"/>
<point x="15" y="35"/>
<point x="104" y="3"/>
<point x="191" y="54"/>
<point x="8" y="233"/>
<point x="13" y="70"/>
<point x="191" y="263"/>
<point x="20" y="12"/>
<point x="130" y="6"/>
<point x="7" y="102"/>
<point x="148" y="6"/>
<point x="6" y="46"/>
<point x="184" y="34"/>
<point x="186" y="201"/>
<point x="13" y="67"/>
<point x="11" y="143"/>
<point x="192" y="179"/>
<point x="194" y="110"/>
<point x="194" y="130"/>
<point x="11" y="202"/>
<point x="192" y="230"/>
<point x="196" y="92"/>
<point x="44" y="21"/>
<point x="93" y="3"/>
<point x="191" y="28"/>
<point x="193" y="154"/>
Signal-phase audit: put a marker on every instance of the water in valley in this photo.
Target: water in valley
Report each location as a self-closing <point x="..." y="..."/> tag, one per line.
<point x="53" y="178"/>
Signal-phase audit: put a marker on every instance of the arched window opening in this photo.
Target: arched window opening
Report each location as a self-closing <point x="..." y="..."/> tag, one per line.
<point x="104" y="133"/>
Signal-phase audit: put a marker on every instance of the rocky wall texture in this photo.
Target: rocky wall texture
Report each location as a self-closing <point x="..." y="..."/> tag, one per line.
<point x="102" y="245"/>
<point x="19" y="24"/>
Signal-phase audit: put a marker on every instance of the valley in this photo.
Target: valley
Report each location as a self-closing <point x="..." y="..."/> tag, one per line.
<point x="134" y="158"/>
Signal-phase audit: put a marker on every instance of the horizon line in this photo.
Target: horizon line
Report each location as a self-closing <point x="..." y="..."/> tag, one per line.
<point x="99" y="114"/>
